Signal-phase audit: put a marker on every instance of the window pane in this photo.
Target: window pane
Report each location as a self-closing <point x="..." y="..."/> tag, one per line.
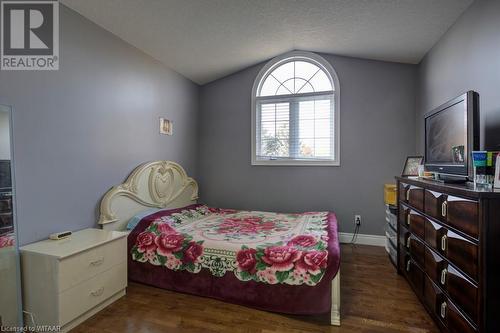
<point x="306" y="128"/>
<point x="322" y="147"/>
<point x="306" y="110"/>
<point x="269" y="86"/>
<point x="321" y="82"/>
<point x="283" y="72"/>
<point x="323" y="108"/>
<point x="306" y="88"/>
<point x="322" y="128"/>
<point x="274" y="130"/>
<point x="305" y="70"/>
<point x="282" y="90"/>
<point x="306" y="148"/>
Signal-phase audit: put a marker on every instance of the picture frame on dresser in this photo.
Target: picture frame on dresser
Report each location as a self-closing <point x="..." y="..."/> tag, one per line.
<point x="412" y="163"/>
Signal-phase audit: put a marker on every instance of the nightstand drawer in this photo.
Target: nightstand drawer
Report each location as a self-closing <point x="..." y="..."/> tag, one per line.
<point x="82" y="266"/>
<point x="83" y="297"/>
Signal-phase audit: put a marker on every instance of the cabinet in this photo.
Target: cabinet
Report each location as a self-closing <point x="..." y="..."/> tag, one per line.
<point x="448" y="242"/>
<point x="67" y="281"/>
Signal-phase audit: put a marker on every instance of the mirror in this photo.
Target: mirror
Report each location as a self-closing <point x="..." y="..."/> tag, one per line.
<point x="10" y="304"/>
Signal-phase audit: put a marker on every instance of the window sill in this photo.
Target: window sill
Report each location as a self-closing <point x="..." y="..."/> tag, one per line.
<point x="294" y="163"/>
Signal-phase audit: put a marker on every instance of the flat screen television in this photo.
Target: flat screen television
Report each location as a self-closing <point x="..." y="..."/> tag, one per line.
<point x="5" y="176"/>
<point x="451" y="133"/>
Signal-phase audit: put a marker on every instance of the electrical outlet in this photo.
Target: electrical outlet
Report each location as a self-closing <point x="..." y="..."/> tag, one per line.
<point x="357" y="219"/>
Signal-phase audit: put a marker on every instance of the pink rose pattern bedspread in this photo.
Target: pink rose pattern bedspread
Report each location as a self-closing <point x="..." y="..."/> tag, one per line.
<point x="264" y="247"/>
<point x="7" y="240"/>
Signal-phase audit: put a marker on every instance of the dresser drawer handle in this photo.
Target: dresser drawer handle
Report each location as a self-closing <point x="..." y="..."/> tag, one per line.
<point x="443" y="276"/>
<point x="443" y="242"/>
<point x="444" y="208"/>
<point x="97" y="262"/>
<point x="408" y="242"/>
<point x="443" y="310"/>
<point x="408" y="219"/>
<point x="408" y="265"/>
<point x="408" y="195"/>
<point x="97" y="292"/>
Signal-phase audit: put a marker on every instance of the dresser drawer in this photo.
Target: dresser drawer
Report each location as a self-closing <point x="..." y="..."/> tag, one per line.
<point x="413" y="246"/>
<point x="463" y="292"/>
<point x="462" y="214"/>
<point x="413" y="221"/>
<point x="6" y="219"/>
<point x="83" y="297"/>
<point x="434" y="204"/>
<point x="82" y="266"/>
<point x="433" y="298"/>
<point x="453" y="319"/>
<point x="5" y="205"/>
<point x="458" y="250"/>
<point x="412" y="195"/>
<point x="412" y="272"/>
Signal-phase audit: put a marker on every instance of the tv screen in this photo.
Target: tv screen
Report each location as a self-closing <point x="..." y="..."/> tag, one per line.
<point x="447" y="136"/>
<point x="451" y="133"/>
<point x="5" y="177"/>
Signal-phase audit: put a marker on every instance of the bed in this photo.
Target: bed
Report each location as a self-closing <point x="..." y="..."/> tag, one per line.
<point x="281" y="262"/>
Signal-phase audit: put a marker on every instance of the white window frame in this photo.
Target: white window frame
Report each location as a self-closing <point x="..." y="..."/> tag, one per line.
<point x="259" y="80"/>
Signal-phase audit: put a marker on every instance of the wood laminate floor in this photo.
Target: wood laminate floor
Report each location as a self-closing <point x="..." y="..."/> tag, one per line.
<point x="374" y="299"/>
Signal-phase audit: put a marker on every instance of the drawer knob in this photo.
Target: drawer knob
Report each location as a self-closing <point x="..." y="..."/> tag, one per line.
<point x="408" y="265"/>
<point x="408" y="219"/>
<point x="443" y="276"/>
<point x="408" y="195"/>
<point x="444" y="208"/>
<point x="443" y="242"/>
<point x="97" y="292"/>
<point x="97" y="262"/>
<point x="408" y="242"/>
<point x="443" y="310"/>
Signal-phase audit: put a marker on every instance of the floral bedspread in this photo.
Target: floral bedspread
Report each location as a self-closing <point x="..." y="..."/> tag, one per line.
<point x="7" y="240"/>
<point x="260" y="246"/>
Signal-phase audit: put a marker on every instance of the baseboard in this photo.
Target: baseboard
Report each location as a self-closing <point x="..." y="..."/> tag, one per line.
<point x="376" y="240"/>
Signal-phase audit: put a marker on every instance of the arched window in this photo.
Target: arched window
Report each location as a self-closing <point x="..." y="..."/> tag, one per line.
<point x="295" y="112"/>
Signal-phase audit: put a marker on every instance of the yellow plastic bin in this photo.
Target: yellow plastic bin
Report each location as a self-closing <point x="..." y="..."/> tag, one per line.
<point x="390" y="194"/>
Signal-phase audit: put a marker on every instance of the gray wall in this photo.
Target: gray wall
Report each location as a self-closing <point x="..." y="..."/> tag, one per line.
<point x="82" y="129"/>
<point x="377" y="133"/>
<point x="467" y="57"/>
<point x="4" y="133"/>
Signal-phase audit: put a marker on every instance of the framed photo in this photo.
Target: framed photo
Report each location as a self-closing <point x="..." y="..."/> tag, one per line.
<point x="497" y="172"/>
<point x="411" y="165"/>
<point x="166" y="126"/>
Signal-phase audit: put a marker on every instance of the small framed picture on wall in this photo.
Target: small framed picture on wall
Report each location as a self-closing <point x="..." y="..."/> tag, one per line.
<point x="166" y="126"/>
<point x="411" y="166"/>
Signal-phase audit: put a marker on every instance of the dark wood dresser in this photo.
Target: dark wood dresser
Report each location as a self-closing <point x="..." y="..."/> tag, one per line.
<point x="449" y="251"/>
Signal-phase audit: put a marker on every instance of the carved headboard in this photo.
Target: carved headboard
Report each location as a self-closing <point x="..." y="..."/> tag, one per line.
<point x="159" y="184"/>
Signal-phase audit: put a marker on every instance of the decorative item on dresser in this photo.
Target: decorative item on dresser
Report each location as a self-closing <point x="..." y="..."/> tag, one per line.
<point x="447" y="247"/>
<point x="67" y="281"/>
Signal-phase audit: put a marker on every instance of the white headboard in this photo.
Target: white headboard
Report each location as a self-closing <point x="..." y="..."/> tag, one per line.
<point x="159" y="184"/>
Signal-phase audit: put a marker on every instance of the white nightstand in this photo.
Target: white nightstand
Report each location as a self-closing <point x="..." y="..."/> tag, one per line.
<point x="67" y="281"/>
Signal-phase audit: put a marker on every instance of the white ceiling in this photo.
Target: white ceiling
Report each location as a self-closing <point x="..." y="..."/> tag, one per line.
<point x="208" y="39"/>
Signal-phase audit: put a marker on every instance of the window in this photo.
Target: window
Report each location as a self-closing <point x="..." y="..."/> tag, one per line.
<point x="295" y="114"/>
